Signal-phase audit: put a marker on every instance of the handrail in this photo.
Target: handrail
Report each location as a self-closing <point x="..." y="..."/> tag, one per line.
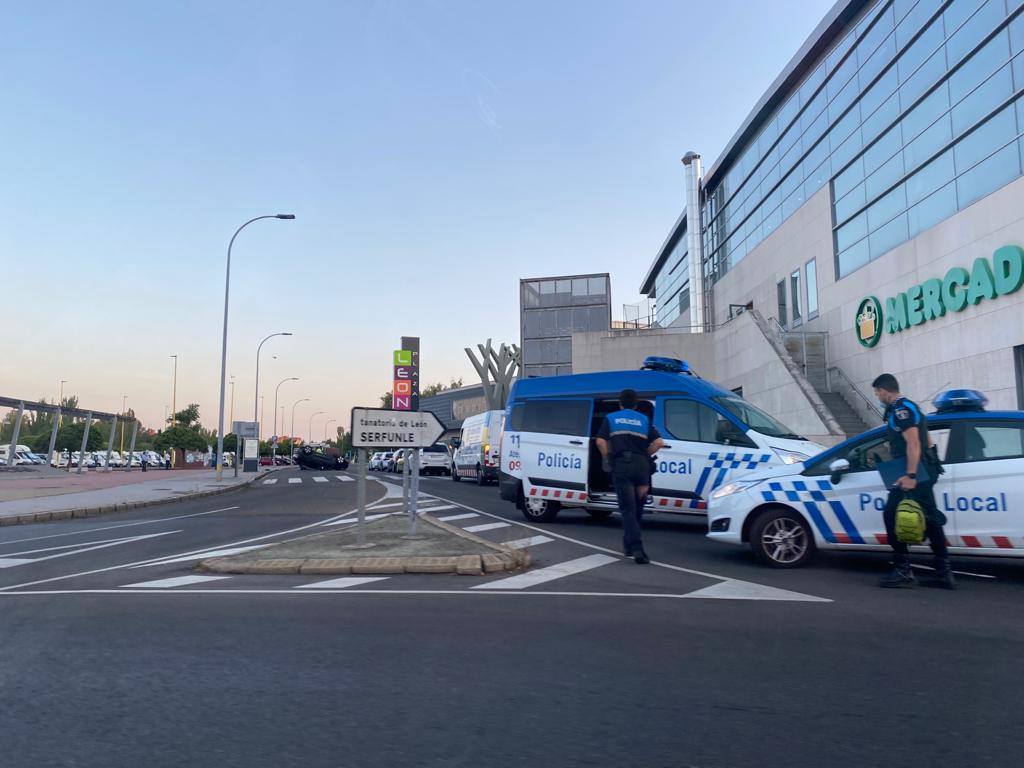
<point x="872" y="408"/>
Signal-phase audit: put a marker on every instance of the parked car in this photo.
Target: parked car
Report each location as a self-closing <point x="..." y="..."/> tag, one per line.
<point x="435" y="460"/>
<point x="385" y="461"/>
<point x="376" y="462"/>
<point x="319" y="456"/>
<point x="397" y="462"/>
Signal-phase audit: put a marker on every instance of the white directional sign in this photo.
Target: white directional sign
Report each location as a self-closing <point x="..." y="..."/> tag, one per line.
<point x="383" y="428"/>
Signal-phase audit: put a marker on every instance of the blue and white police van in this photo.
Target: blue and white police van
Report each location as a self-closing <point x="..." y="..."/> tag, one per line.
<point x="549" y="457"/>
<point x="835" y="500"/>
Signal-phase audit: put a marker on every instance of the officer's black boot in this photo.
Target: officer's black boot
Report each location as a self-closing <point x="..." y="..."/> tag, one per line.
<point x="640" y="557"/>
<point x="943" y="577"/>
<point x="901" y="575"/>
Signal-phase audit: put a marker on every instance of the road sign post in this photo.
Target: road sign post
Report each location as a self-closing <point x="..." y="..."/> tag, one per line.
<point x="382" y="428"/>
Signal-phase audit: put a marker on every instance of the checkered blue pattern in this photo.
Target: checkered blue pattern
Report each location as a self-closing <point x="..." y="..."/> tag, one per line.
<point x="811" y="495"/>
<point x="721" y="463"/>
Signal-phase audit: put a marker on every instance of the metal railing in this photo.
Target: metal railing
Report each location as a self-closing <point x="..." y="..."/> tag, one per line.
<point x="782" y="334"/>
<point x="867" y="407"/>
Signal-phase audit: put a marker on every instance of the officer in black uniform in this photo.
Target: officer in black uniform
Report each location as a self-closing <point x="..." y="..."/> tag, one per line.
<point x="627" y="440"/>
<point x="908" y="437"/>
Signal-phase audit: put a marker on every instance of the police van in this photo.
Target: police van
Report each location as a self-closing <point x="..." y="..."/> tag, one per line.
<point x="550" y="460"/>
<point x="835" y="500"/>
<point x="477" y="455"/>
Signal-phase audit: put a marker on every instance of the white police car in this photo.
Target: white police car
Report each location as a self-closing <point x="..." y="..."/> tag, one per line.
<point x="834" y="500"/>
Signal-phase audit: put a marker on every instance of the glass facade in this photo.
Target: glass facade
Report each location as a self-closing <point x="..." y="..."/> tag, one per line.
<point x="672" y="283"/>
<point x="912" y="115"/>
<point x="551" y="310"/>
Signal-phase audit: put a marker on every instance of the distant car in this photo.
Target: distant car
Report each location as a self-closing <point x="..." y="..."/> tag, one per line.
<point x="385" y="460"/>
<point x="318" y="456"/>
<point x="397" y="461"/>
<point x="376" y="462"/>
<point x="435" y="460"/>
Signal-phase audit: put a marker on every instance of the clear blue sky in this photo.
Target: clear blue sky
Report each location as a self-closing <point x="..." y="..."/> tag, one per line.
<point x="433" y="152"/>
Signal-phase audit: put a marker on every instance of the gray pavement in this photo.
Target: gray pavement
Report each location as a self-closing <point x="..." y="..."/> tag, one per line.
<point x="115" y="655"/>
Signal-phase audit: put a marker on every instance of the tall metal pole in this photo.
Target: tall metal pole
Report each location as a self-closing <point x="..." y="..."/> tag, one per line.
<point x="231" y="417"/>
<point x="262" y="413"/>
<point x="124" y="407"/>
<point x="131" y="449"/>
<point x="60" y="400"/>
<point x="174" y="394"/>
<point x="224" y="340"/>
<point x="329" y="422"/>
<point x="312" y="416"/>
<point x="273" y="448"/>
<point x="12" y="455"/>
<point x="303" y="400"/>
<point x="85" y="442"/>
<point x="53" y="437"/>
<point x="255" y="406"/>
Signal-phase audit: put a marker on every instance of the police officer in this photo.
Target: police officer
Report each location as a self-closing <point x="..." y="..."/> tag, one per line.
<point x="627" y="440"/>
<point x="908" y="437"/>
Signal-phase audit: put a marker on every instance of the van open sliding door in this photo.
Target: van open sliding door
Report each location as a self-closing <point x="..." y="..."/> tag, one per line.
<point x="554" y="448"/>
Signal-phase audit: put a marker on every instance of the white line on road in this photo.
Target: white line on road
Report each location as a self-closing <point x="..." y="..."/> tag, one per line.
<point x="177" y="581"/>
<point x="121" y="525"/>
<point x="11" y="562"/>
<point x="486" y="527"/>
<point x="200" y="556"/>
<point x="368" y="518"/>
<point x="14" y="561"/>
<point x="294" y="480"/>
<point x="320" y="479"/>
<point x="958" y="573"/>
<point x="463" y="516"/>
<point x="343" y="583"/>
<point x="67" y="546"/>
<point x="437" y="509"/>
<point x="552" y="572"/>
<point x="270" y="481"/>
<point x="344" y="478"/>
<point x="385" y="506"/>
<point x="530" y="542"/>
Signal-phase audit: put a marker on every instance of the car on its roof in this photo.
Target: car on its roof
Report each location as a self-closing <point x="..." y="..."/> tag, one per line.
<point x="320" y="456"/>
<point x="834" y="501"/>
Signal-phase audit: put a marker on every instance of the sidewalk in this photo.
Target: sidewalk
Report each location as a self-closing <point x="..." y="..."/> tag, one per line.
<point x="54" y="496"/>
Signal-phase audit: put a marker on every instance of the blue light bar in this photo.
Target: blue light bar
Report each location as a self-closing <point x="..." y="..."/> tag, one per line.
<point x="960" y="400"/>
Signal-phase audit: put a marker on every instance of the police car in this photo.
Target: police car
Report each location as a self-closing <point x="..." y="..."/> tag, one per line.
<point x="549" y="458"/>
<point x="835" y="499"/>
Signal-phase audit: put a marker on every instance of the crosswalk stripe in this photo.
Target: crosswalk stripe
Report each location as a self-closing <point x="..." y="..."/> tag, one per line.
<point x="463" y="516"/>
<point x="201" y="556"/>
<point x="177" y="581"/>
<point x="552" y="572"/>
<point x="342" y="583"/>
<point x="530" y="542"/>
<point x="485" y="527"/>
<point x="270" y="481"/>
<point x="294" y="480"/>
<point x="355" y="519"/>
<point x="320" y="479"/>
<point x="344" y="478"/>
<point x="425" y="508"/>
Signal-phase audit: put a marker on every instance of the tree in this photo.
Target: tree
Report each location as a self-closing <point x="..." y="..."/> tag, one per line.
<point x="230" y="442"/>
<point x="187" y="417"/>
<point x="185" y="438"/>
<point x="385" y="400"/>
<point x="69" y="438"/>
<point x="438" y="388"/>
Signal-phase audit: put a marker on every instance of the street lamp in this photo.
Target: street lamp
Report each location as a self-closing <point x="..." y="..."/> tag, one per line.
<point x="311" y="424"/>
<point x="224" y="340"/>
<point x="329" y="422"/>
<point x="303" y="400"/>
<point x="231" y="417"/>
<point x="174" y="394"/>
<point x="273" y="449"/>
<point x="124" y="409"/>
<point x="255" y="409"/>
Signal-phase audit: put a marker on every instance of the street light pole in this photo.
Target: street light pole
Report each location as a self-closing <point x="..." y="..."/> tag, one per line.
<point x="231" y="417"/>
<point x="262" y="413"/>
<point x="255" y="408"/>
<point x="273" y="448"/>
<point x="174" y="394"/>
<point x="329" y="422"/>
<point x="224" y="339"/>
<point x="60" y="404"/>
<point x="124" y="408"/>
<point x="303" y="400"/>
<point x="313" y="416"/>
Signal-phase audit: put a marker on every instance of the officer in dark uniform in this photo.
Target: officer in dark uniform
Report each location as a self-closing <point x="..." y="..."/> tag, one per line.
<point x="627" y="440"/>
<point x="908" y="437"/>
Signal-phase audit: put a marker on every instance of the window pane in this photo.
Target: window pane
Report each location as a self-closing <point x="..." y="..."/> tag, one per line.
<point x="598" y="318"/>
<point x="579" y="318"/>
<point x="914" y="20"/>
<point x="817" y="179"/>
<point x="792" y="203"/>
<point x="987" y="97"/>
<point x="958" y="12"/>
<point x="986" y="139"/>
<point x="850" y="204"/>
<point x="917" y="54"/>
<point x="881" y="119"/>
<point x="930" y="73"/>
<point x="888" y="237"/>
<point x="579" y="286"/>
<point x="557" y="417"/>
<point x="928" y="143"/>
<point x="983" y="442"/>
<point x="974" y="30"/>
<point x="887" y="207"/>
<point x="689" y="420"/>
<point x="812" y="287"/>
<point x="877" y="61"/>
<point x="884" y="177"/>
<point x="934" y="175"/>
<point x="933" y="209"/>
<point x="794" y="292"/>
<point x="987" y="60"/>
<point x="849" y="178"/>
<point x="924" y="114"/>
<point x="853" y="258"/>
<point x="846" y="151"/>
<point x="851" y="232"/>
<point x="882" y="150"/>
<point x="532" y="324"/>
<point x="780" y="294"/>
<point x="1001" y="168"/>
<point x="597" y="286"/>
<point x="531" y="295"/>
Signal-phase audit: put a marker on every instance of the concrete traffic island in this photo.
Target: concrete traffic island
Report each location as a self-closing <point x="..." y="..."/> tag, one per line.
<point x="437" y="548"/>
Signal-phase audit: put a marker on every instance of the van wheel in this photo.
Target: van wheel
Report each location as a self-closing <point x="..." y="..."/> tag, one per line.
<point x="599" y="514"/>
<point x="455" y="474"/>
<point x="540" y="510"/>
<point x="480" y="479"/>
<point x="780" y="538"/>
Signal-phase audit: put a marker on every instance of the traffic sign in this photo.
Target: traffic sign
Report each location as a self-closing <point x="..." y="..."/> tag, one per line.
<point x="386" y="428"/>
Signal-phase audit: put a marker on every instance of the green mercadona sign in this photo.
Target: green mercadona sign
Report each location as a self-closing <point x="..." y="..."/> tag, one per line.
<point x="987" y="279"/>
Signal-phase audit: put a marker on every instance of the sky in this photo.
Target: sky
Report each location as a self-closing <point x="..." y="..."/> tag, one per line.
<point x="433" y="154"/>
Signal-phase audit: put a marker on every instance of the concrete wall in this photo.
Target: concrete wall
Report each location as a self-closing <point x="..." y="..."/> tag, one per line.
<point x="626" y="350"/>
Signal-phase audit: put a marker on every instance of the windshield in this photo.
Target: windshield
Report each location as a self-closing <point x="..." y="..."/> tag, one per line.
<point x="755" y="418"/>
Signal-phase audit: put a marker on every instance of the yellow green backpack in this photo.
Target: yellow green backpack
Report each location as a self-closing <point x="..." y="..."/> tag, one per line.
<point x="910" y="524"/>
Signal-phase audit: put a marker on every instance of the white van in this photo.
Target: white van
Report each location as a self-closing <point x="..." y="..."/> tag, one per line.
<point x="478" y="456"/>
<point x="22" y="455"/>
<point x="550" y="458"/>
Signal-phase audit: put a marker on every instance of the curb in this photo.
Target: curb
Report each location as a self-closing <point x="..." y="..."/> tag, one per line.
<point x="499" y="559"/>
<point x="65" y="514"/>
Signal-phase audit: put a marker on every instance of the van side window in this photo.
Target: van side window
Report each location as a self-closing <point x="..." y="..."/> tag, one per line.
<point x="515" y="419"/>
<point x="556" y="417"/>
<point x="985" y="441"/>
<point x="690" y="420"/>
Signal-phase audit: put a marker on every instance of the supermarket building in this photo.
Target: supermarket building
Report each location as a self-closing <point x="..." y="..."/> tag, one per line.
<point x="868" y="216"/>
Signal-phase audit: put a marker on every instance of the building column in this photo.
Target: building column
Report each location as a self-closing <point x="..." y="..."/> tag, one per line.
<point x="695" y="243"/>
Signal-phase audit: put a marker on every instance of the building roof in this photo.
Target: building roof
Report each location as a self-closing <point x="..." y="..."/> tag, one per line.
<point x="816" y="44"/>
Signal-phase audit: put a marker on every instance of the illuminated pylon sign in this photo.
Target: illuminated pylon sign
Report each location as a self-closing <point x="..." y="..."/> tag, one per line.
<point x="405" y="375"/>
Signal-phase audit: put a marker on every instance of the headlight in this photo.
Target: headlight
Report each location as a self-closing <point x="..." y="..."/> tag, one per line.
<point x="790" y="457"/>
<point x="734" y="487"/>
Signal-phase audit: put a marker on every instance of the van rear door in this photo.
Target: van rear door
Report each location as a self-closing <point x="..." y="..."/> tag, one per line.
<point x="554" y="443"/>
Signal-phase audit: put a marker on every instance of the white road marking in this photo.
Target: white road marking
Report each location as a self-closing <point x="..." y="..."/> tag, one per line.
<point x="437" y="509"/>
<point x="385" y="506"/>
<point x="177" y="581"/>
<point x="530" y="542"/>
<point x="368" y="518"/>
<point x="270" y="481"/>
<point x="463" y="516"/>
<point x="345" y="478"/>
<point x="121" y="525"/>
<point x="486" y="527"/>
<point x="552" y="572"/>
<point x="12" y="562"/>
<point x="342" y="583"/>
<point x="320" y="479"/>
<point x="744" y="590"/>
<point x="294" y="480"/>
<point x="200" y="556"/>
<point x="66" y="546"/>
<point x="958" y="573"/>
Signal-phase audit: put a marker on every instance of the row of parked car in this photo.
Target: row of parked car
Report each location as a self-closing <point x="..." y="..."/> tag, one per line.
<point x="24" y="456"/>
<point x="434" y="460"/>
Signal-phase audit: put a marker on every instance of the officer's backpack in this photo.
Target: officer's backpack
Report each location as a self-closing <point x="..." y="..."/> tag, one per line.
<point x="910" y="524"/>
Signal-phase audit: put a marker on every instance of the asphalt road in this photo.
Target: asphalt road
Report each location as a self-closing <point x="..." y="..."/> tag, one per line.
<point x="113" y="656"/>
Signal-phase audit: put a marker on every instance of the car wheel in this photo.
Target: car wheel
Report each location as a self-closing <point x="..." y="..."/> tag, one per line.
<point x="599" y="514"/>
<point x="540" y="510"/>
<point x="480" y="479"/>
<point x="455" y="474"/>
<point x="780" y="538"/>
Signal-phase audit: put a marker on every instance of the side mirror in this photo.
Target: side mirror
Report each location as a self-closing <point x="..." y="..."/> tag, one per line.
<point x="838" y="467"/>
